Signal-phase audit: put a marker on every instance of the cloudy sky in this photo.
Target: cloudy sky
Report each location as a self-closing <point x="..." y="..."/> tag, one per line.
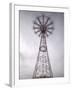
<point x="29" y="43"/>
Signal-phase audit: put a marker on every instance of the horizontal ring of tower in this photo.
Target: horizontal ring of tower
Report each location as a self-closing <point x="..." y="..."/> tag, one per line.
<point x="43" y="48"/>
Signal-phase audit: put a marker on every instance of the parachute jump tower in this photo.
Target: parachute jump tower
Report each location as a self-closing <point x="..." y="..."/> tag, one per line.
<point x="43" y="26"/>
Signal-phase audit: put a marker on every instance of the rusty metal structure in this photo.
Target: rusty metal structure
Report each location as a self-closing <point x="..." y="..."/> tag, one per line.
<point x="43" y="26"/>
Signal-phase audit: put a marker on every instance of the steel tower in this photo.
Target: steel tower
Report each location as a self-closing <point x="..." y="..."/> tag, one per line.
<point x="43" y="26"/>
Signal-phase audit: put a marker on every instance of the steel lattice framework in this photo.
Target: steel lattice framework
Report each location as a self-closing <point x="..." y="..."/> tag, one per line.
<point x="43" y="26"/>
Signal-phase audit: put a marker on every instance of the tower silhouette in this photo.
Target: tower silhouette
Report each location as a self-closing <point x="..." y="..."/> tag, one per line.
<point x="43" y="26"/>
